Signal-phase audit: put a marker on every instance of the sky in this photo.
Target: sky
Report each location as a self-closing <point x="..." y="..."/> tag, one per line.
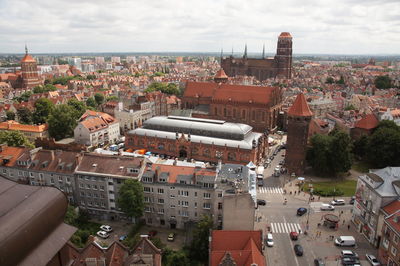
<point x="317" y="26"/>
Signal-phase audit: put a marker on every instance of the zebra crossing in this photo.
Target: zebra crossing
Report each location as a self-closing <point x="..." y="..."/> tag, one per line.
<point x="285" y="227"/>
<point x="270" y="190"/>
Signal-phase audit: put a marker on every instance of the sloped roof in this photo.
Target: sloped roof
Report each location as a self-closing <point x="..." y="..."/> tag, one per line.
<point x="28" y="58"/>
<point x="13" y="125"/>
<point x="9" y="155"/>
<point x="300" y="107"/>
<point x="367" y="122"/>
<point x="245" y="247"/>
<point x="285" y="35"/>
<point x="220" y="74"/>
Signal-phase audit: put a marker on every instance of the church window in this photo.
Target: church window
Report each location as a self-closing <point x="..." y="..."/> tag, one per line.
<point x="231" y="156"/>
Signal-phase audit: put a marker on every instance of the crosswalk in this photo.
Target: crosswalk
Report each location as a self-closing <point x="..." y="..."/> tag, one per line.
<point x="285" y="227"/>
<point x="270" y="190"/>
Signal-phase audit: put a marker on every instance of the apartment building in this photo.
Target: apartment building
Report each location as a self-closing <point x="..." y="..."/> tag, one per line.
<point x="98" y="180"/>
<point x="374" y="191"/>
<point x="389" y="250"/>
<point x="31" y="132"/>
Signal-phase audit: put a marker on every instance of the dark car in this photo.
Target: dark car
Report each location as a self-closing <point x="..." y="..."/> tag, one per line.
<point x="301" y="211"/>
<point x="350" y="261"/>
<point x="261" y="202"/>
<point x="152" y="233"/>
<point x="319" y="262"/>
<point x="352" y="200"/>
<point x="298" y="250"/>
<point x="260" y="182"/>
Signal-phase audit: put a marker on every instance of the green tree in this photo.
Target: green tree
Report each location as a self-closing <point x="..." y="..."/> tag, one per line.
<point x="62" y="121"/>
<point x="99" y="98"/>
<point x="318" y="154"/>
<point x="15" y="139"/>
<point x="24" y="115"/>
<point x="340" y="152"/>
<point x="91" y="102"/>
<point x="131" y="198"/>
<point x="349" y="107"/>
<point x="170" y="88"/>
<point x="175" y="258"/>
<point x="383" y="82"/>
<point x="198" y="249"/>
<point x="91" y="77"/>
<point x="112" y="98"/>
<point x="340" y="81"/>
<point x="71" y="216"/>
<point x="43" y="109"/>
<point x="330" y="80"/>
<point x="78" y="106"/>
<point x="10" y="115"/>
<point x="62" y="61"/>
<point x="360" y="147"/>
<point x="384" y="147"/>
<point x="24" y="96"/>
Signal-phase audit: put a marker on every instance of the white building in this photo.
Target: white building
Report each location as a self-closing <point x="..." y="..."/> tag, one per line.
<point x="96" y="128"/>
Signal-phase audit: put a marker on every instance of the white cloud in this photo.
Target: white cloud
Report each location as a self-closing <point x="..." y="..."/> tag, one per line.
<point x="329" y="26"/>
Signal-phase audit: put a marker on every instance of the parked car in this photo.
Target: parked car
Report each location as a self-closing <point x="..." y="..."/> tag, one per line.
<point x="338" y="202"/>
<point x="298" y="250"/>
<point x="106" y="228"/>
<point x="327" y="207"/>
<point x="102" y="234"/>
<point x="345" y="241"/>
<point x="269" y="240"/>
<point x="152" y="233"/>
<point x="123" y="237"/>
<point x="350" y="261"/>
<point x="348" y="254"/>
<point x="301" y="211"/>
<point x="372" y="259"/>
<point x="319" y="262"/>
<point x="294" y="235"/>
<point x="171" y="237"/>
<point x="260" y="182"/>
<point x="261" y="202"/>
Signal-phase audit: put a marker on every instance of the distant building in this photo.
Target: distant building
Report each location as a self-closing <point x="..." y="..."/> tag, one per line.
<point x="75" y="61"/>
<point x="115" y="59"/>
<point x="96" y="128"/>
<point x="31" y="132"/>
<point x="199" y="139"/>
<point x="29" y="71"/>
<point x="278" y="67"/>
<point x="364" y="127"/>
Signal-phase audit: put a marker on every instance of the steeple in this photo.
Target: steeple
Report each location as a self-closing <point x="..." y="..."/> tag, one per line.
<point x="232" y="51"/>
<point x="245" y="51"/>
<point x="26" y="49"/>
<point x="300" y="107"/>
<point x="220" y="60"/>
<point x="263" y="54"/>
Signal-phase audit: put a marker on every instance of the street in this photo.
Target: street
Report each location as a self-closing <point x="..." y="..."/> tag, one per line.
<point x="282" y="219"/>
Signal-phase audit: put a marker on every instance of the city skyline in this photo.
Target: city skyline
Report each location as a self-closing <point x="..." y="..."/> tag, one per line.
<point x="340" y="27"/>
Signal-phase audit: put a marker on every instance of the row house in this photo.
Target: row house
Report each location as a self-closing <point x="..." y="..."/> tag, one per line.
<point x="375" y="190"/>
<point x="96" y="128"/>
<point x="31" y="132"/>
<point x="98" y="180"/>
<point x="389" y="250"/>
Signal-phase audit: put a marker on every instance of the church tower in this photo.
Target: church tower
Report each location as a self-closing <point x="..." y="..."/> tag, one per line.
<point x="299" y="118"/>
<point x="283" y="55"/>
<point x="30" y="76"/>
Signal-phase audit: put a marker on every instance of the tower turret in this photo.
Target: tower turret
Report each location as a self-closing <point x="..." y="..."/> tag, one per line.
<point x="30" y="76"/>
<point x="299" y="118"/>
<point x="284" y="55"/>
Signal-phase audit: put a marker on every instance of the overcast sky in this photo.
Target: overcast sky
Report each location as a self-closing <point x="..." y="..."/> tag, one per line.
<point x="317" y="26"/>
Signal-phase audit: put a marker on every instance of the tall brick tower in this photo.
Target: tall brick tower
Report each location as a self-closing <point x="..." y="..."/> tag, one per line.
<point x="30" y="76"/>
<point x="299" y="117"/>
<point x="283" y="55"/>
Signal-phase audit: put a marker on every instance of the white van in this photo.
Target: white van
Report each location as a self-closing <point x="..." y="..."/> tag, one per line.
<point x="345" y="241"/>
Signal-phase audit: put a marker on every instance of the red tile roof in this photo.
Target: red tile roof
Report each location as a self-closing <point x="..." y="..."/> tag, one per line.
<point x="300" y="107"/>
<point x="285" y="35"/>
<point x="367" y="122"/>
<point x="28" y="58"/>
<point x="13" y="125"/>
<point x="393" y="212"/>
<point x="10" y="154"/>
<point x="245" y="247"/>
<point x="221" y="74"/>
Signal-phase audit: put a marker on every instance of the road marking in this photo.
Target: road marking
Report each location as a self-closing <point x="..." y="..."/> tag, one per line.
<point x="295" y="256"/>
<point x="285" y="227"/>
<point x="270" y="190"/>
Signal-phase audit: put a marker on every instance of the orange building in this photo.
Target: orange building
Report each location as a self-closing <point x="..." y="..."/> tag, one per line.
<point x="31" y="132"/>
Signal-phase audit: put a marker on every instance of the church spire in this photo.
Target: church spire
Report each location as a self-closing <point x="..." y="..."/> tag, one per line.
<point x="220" y="58"/>
<point x="245" y="51"/>
<point x="263" y="54"/>
<point x="26" y="49"/>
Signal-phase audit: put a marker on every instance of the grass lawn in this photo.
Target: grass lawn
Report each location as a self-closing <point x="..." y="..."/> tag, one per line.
<point x="361" y="167"/>
<point x="348" y="187"/>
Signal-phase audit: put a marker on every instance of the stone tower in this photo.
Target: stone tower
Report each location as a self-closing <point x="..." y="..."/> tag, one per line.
<point x="283" y="55"/>
<point x="30" y="76"/>
<point x="299" y="117"/>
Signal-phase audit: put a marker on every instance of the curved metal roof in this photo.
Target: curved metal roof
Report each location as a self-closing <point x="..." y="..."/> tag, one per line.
<point x="200" y="127"/>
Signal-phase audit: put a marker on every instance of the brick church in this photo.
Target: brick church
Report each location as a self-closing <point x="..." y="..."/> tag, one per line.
<point x="263" y="68"/>
<point x="257" y="106"/>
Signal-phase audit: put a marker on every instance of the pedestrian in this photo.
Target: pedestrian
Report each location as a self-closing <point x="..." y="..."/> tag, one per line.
<point x="343" y="221"/>
<point x="295" y="193"/>
<point x="319" y="197"/>
<point x="348" y="227"/>
<point x="299" y="231"/>
<point x="341" y="212"/>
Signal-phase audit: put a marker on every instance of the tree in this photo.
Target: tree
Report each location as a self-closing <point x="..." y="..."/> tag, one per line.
<point x="330" y="80"/>
<point x="349" y="107"/>
<point x="360" y="147"/>
<point x="112" y="98"/>
<point x="91" y="102"/>
<point x="62" y="121"/>
<point x="99" y="98"/>
<point x="199" y="247"/>
<point x="10" y="115"/>
<point x="24" y="115"/>
<point x="175" y="258"/>
<point x="43" y="109"/>
<point x="340" y="152"/>
<point x="131" y="198"/>
<point x="15" y="139"/>
<point x="383" y="82"/>
<point x="340" y="81"/>
<point x="91" y="77"/>
<point x="318" y="154"/>
<point x="170" y="88"/>
<point x="24" y="96"/>
<point x="78" y="106"/>
<point x="384" y="147"/>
